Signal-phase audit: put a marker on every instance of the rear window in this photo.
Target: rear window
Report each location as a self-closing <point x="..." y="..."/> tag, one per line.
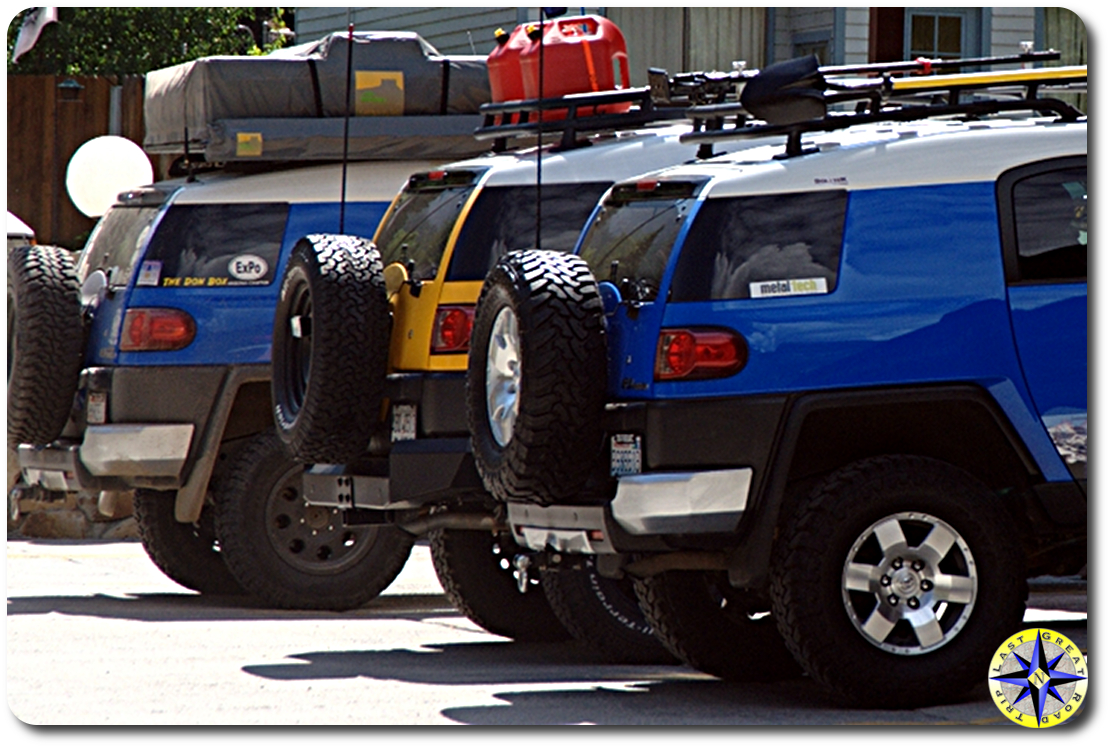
<point x="504" y="219"/>
<point x="417" y="228"/>
<point x="116" y="242"/>
<point x="762" y="246"/>
<point x="1050" y="211"/>
<point x="631" y="239"/>
<point x="237" y="244"/>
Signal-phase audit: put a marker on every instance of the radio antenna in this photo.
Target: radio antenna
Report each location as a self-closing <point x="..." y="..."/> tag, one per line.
<point x="346" y="130"/>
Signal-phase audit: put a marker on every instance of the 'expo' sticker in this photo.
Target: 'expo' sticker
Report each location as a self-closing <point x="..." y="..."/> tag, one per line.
<point x="247" y="268"/>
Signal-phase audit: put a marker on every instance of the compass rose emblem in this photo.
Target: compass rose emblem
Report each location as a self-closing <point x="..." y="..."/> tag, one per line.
<point x="1038" y="678"/>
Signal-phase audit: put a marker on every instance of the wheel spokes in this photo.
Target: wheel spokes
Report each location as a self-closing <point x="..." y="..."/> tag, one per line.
<point x="907" y="584"/>
<point x="936" y="546"/>
<point x="503" y="376"/>
<point x="862" y="577"/>
<point x="954" y="589"/>
<point x="890" y="537"/>
<point x="878" y="626"/>
<point x="926" y="626"/>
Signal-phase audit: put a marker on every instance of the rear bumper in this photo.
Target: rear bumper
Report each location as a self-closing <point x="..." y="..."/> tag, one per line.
<point x="646" y="507"/>
<point x="153" y="427"/>
<point x="109" y="454"/>
<point x="429" y="464"/>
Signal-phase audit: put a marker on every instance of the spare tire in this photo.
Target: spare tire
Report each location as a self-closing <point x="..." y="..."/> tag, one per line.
<point x="45" y="343"/>
<point x="536" y="377"/>
<point x="330" y="348"/>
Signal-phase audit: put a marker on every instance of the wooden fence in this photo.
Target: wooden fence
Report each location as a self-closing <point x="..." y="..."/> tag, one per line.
<point x="46" y="124"/>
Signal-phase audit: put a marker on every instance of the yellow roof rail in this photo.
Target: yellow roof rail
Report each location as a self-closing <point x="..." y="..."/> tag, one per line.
<point x="992" y="78"/>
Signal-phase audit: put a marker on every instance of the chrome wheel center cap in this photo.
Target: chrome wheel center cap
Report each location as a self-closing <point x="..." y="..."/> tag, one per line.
<point x="904" y="582"/>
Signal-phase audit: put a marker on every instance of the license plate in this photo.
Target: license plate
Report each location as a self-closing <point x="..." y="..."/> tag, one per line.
<point x="97" y="410"/>
<point x="404" y="423"/>
<point x="625" y="452"/>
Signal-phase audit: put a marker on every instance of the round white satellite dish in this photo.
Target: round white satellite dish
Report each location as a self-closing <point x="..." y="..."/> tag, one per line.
<point x="101" y="169"/>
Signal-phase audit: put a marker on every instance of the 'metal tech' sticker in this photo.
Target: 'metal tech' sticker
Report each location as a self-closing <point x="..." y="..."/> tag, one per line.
<point x="794" y="287"/>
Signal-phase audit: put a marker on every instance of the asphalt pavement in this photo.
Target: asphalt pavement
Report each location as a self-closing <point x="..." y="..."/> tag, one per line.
<point x="96" y="635"/>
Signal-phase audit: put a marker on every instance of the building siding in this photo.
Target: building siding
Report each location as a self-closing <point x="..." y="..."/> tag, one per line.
<point x="857" y="27"/>
<point x="655" y="37"/>
<point x="676" y="39"/>
<point x="452" y="31"/>
<point x="1010" y="27"/>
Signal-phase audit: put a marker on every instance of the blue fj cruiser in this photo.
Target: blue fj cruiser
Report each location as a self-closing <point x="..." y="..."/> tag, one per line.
<point x="167" y="349"/>
<point x="824" y="401"/>
<point x="154" y="378"/>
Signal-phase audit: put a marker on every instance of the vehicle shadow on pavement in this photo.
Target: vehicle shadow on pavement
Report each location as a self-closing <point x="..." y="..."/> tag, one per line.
<point x="195" y="607"/>
<point x="627" y="694"/>
<point x="470" y="663"/>
<point x="709" y="702"/>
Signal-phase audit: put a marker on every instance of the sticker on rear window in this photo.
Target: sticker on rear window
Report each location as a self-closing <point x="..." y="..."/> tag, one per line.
<point x="792" y="287"/>
<point x="247" y="268"/>
<point x="149" y="273"/>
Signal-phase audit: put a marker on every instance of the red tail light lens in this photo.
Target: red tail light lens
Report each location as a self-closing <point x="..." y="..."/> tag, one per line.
<point x="451" y="333"/>
<point x="699" y="354"/>
<point x="156" y="330"/>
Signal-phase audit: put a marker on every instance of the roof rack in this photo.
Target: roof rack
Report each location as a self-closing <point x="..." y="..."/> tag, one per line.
<point x="793" y="97"/>
<point x="513" y="119"/>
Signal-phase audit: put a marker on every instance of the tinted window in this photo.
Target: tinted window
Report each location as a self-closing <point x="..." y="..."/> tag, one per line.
<point x="216" y="245"/>
<point x="1050" y="213"/>
<point x="116" y="242"/>
<point x="504" y="219"/>
<point x="419" y="225"/>
<point x="638" y="237"/>
<point x="762" y="246"/>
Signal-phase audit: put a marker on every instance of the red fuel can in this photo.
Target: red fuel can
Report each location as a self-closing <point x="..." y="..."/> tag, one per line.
<point x="581" y="54"/>
<point x="505" y="81"/>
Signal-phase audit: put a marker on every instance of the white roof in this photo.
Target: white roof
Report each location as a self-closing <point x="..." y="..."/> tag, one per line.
<point x="891" y="155"/>
<point x="367" y="181"/>
<point x="622" y="155"/>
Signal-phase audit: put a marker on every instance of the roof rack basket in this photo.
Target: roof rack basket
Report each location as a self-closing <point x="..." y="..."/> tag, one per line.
<point x="514" y="119"/>
<point x="793" y="97"/>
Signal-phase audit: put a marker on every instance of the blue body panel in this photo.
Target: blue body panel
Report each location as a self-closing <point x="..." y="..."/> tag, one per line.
<point x="920" y="299"/>
<point x="1050" y="329"/>
<point x="234" y="324"/>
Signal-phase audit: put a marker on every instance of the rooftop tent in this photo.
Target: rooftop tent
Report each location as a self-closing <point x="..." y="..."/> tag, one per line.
<point x="407" y="101"/>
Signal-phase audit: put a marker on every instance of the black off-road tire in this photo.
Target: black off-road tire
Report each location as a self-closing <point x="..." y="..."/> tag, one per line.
<point x="715" y="628"/>
<point x="291" y="555"/>
<point x="901" y="499"/>
<point x="474" y="568"/>
<point x="188" y="554"/>
<point x="556" y="437"/>
<point x="329" y="376"/>
<point x="45" y="343"/>
<point x="604" y="615"/>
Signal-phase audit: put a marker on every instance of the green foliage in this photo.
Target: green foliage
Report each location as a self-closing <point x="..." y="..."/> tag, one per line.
<point x="118" y="41"/>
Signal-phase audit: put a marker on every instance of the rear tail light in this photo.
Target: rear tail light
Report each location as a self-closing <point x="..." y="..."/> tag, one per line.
<point x="699" y="354"/>
<point x="451" y="333"/>
<point x="156" y="330"/>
